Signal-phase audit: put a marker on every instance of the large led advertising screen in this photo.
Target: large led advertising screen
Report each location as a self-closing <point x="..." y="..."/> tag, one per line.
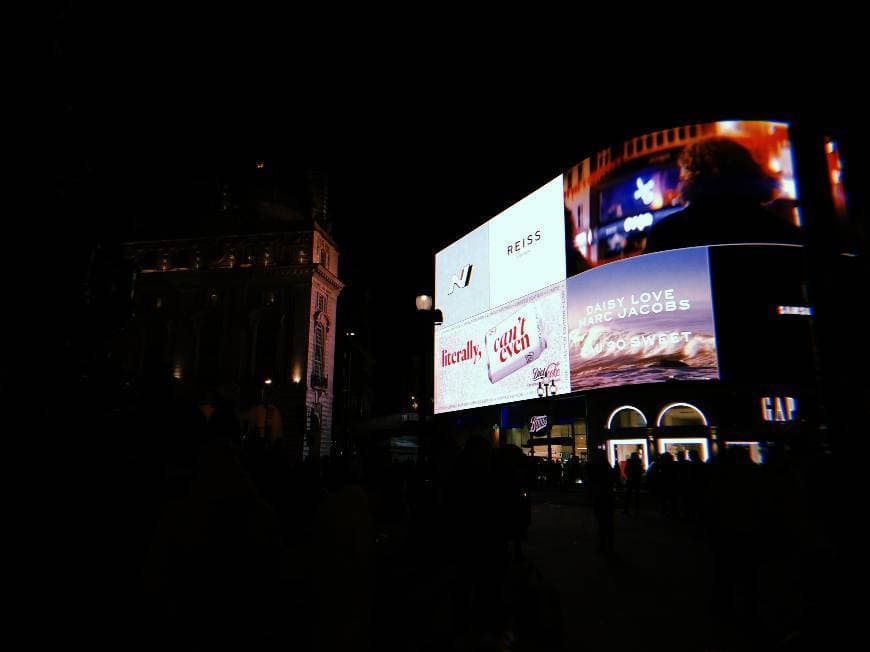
<point x="505" y="354"/>
<point x="714" y="183"/>
<point x="624" y="234"/>
<point x="517" y="252"/>
<point x="643" y="320"/>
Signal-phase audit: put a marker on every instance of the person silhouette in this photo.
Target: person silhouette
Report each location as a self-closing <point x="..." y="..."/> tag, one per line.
<point x="601" y="478"/>
<point x="633" y="476"/>
<point x="727" y="192"/>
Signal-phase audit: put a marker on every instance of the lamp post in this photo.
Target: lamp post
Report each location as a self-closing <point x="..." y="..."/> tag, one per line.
<point x="266" y="420"/>
<point x="434" y="317"/>
<point x="424" y="302"/>
<point x="348" y="379"/>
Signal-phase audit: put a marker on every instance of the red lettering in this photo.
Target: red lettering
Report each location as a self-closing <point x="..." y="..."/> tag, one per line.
<point x="514" y="347"/>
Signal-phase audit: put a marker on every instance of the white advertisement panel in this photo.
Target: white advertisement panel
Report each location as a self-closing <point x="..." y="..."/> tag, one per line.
<point x="527" y="245"/>
<point x="519" y="251"/>
<point x="462" y="277"/>
<point x="514" y="352"/>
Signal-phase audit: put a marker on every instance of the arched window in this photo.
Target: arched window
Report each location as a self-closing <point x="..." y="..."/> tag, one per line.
<point x="681" y="414"/>
<point x="626" y="416"/>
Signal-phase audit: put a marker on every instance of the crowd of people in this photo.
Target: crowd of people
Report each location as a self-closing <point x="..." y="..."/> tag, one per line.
<point x="218" y="536"/>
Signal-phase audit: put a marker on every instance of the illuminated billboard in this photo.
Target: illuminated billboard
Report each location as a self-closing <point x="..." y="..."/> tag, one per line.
<point x="624" y="235"/>
<point x="519" y="251"/>
<point x="647" y="319"/>
<point x="506" y="354"/>
<point x="643" y="320"/>
<point x="715" y="183"/>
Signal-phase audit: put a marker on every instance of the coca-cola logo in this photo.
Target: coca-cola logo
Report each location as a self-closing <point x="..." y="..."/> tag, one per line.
<point x="550" y="372"/>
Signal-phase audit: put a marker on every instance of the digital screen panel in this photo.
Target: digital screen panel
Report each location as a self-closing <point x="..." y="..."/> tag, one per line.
<point x="642" y="320"/>
<point x="632" y="224"/>
<point x="514" y="352"/>
<point x="519" y="251"/>
<point x="715" y="183"/>
<point x="648" y="190"/>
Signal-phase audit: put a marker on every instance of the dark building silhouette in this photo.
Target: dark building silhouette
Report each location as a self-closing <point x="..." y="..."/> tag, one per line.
<point x="246" y="312"/>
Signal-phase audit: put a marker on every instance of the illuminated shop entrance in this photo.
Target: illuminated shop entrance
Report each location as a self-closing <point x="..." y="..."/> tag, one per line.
<point x="619" y="450"/>
<point x="547" y="429"/>
<point x="681" y="447"/>
<point x="683" y="415"/>
<point x="566" y="440"/>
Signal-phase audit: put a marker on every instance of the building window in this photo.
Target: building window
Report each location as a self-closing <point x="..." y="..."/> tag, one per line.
<point x="320" y="303"/>
<point x="681" y="414"/>
<point x="324" y="257"/>
<point x="319" y="339"/>
<point x="626" y="416"/>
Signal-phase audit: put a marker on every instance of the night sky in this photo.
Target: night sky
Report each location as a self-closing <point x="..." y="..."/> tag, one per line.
<point x="416" y="156"/>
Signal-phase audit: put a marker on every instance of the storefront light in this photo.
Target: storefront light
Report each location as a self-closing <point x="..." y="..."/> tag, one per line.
<point x="689" y="441"/>
<point x="673" y="405"/>
<point x="625" y="407"/>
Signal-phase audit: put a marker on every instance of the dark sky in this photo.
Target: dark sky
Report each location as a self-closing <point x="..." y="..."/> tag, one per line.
<point x="418" y="150"/>
<point x="423" y="137"/>
<point x="403" y="184"/>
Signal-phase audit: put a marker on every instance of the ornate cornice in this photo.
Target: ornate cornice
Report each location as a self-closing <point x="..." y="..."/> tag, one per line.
<point x="328" y="277"/>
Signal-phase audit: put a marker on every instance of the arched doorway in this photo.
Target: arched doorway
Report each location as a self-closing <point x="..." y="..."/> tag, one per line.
<point x="619" y="449"/>
<point x="683" y="416"/>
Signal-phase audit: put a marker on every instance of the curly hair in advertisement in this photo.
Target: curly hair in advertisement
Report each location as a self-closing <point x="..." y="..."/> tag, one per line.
<point x="720" y="169"/>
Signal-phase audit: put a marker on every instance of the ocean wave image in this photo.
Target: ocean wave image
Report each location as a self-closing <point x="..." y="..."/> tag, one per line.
<point x="601" y="356"/>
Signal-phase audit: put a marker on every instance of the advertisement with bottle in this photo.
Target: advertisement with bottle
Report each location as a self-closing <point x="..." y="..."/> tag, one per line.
<point x="514" y="352"/>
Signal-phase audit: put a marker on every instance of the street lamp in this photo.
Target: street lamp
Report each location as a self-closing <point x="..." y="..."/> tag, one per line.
<point x="431" y="317"/>
<point x="266" y="412"/>
<point x="424" y="302"/>
<point x="348" y="379"/>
